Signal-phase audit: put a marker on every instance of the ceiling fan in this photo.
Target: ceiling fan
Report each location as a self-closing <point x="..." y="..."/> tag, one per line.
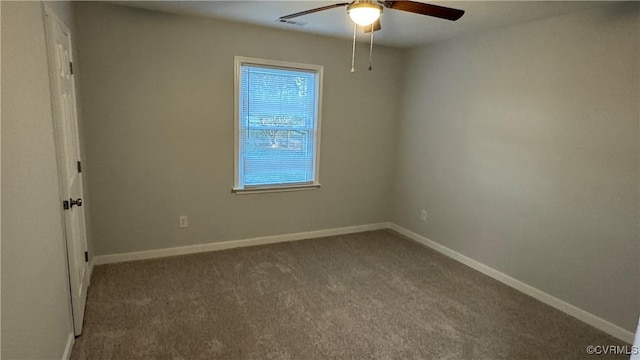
<point x="366" y="13"/>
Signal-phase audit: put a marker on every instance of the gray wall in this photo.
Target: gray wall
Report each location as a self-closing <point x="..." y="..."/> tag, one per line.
<point x="157" y="91"/>
<point x="522" y="144"/>
<point x="36" y="313"/>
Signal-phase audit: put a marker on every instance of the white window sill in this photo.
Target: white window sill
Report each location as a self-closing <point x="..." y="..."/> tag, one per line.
<point x="272" y="189"/>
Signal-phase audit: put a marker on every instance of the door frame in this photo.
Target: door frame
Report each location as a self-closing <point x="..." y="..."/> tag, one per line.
<point x="49" y="16"/>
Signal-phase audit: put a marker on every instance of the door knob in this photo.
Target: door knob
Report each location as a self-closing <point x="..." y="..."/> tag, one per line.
<point x="75" y="202"/>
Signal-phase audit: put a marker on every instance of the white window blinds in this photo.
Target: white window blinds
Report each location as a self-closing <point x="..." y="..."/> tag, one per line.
<point x="277" y="126"/>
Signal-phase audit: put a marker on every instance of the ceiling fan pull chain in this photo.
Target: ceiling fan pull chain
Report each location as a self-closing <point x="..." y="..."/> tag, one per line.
<point x="371" y="47"/>
<point x="353" y="52"/>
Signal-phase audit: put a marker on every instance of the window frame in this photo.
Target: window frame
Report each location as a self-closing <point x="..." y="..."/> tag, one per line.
<point x="238" y="187"/>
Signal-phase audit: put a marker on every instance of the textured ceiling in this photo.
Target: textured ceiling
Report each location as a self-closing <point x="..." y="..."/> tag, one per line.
<point x="399" y="28"/>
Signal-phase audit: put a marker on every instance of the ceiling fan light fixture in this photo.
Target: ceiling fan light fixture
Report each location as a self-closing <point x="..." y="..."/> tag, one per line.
<point x="364" y="13"/>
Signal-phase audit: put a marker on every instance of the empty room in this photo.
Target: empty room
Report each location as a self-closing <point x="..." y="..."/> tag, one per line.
<point x="320" y="180"/>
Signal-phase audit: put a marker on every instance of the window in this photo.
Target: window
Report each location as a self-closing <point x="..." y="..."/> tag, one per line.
<point x="277" y="125"/>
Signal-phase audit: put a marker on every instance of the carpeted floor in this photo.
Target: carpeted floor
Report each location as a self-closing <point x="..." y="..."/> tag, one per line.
<point x="371" y="295"/>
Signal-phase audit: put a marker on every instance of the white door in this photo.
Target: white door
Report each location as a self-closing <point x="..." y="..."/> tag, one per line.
<point x="69" y="165"/>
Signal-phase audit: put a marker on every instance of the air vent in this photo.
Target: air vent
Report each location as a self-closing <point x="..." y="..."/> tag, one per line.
<point x="291" y="22"/>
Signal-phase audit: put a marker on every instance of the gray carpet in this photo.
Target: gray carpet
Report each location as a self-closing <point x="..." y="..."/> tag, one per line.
<point x="371" y="295"/>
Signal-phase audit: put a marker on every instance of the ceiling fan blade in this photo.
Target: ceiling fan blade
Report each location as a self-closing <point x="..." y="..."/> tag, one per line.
<point x="376" y="27"/>
<point x="424" y="9"/>
<point x="311" y="11"/>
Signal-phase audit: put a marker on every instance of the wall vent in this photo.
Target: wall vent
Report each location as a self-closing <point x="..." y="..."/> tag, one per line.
<point x="291" y="22"/>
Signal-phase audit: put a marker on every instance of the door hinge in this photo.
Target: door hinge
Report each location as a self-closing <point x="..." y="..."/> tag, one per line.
<point x="65" y="204"/>
<point x="79" y="167"/>
<point x="71" y="67"/>
<point x="86" y="256"/>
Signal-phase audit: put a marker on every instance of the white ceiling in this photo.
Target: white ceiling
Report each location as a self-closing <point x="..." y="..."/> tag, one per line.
<point x="399" y="28"/>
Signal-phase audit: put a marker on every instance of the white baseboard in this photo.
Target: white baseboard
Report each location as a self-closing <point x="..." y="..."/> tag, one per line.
<point x="183" y="250"/>
<point x="593" y="320"/>
<point x="67" y="349"/>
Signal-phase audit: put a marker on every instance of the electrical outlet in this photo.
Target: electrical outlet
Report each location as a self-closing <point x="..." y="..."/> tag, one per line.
<point x="423" y="215"/>
<point x="184" y="221"/>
